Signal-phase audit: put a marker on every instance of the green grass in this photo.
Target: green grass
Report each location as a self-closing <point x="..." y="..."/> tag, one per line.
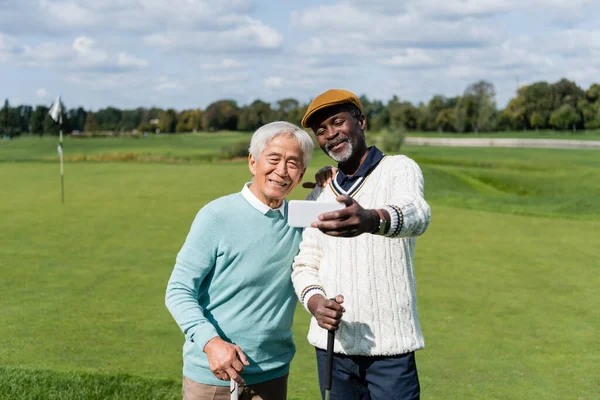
<point x="50" y="385"/>
<point x="529" y="134"/>
<point x="181" y="147"/>
<point x="507" y="273"/>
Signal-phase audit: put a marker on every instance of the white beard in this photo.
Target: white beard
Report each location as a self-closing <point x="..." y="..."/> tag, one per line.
<point x="344" y="155"/>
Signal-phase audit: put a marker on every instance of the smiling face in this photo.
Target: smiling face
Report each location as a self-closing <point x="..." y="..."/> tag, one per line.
<point x="278" y="169"/>
<point x="339" y="133"/>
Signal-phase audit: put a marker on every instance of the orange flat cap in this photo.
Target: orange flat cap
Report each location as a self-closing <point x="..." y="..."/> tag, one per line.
<point x="330" y="98"/>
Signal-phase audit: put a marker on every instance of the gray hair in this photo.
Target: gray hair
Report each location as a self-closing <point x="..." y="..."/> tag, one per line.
<point x="267" y="132"/>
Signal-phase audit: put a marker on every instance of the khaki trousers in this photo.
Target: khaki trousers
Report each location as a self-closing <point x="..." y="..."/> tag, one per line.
<point x="275" y="389"/>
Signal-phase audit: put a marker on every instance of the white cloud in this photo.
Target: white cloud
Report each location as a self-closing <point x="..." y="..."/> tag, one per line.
<point x="346" y="29"/>
<point x="412" y="58"/>
<point x="9" y="48"/>
<point x="68" y="13"/>
<point x="226" y="63"/>
<point x="164" y="83"/>
<point x="274" y="82"/>
<point x="247" y="36"/>
<point x="82" y="54"/>
<point x="132" y="16"/>
<point x="227" y="78"/>
<point x="83" y="45"/>
<point x="573" y="41"/>
<point x="461" y="8"/>
<point x="42" y="93"/>
<point x="342" y="17"/>
<point x="197" y="51"/>
<point x="128" y="61"/>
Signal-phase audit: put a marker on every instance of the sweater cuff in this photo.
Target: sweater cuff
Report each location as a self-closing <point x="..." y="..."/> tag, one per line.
<point x="203" y="334"/>
<point x="309" y="292"/>
<point x="396" y="222"/>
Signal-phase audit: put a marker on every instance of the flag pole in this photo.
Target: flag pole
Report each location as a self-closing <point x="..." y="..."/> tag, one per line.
<point x="62" y="171"/>
<point x="56" y="114"/>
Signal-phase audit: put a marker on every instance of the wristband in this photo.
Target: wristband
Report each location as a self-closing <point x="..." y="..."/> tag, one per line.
<point x="383" y="223"/>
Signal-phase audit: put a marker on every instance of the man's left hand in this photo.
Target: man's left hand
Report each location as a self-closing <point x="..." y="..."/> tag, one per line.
<point x="351" y="221"/>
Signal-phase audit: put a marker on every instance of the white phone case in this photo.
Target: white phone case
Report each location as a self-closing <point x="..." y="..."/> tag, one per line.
<point x="302" y="213"/>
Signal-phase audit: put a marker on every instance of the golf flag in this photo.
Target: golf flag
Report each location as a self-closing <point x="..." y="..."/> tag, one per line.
<point x="56" y="114"/>
<point x="56" y="111"/>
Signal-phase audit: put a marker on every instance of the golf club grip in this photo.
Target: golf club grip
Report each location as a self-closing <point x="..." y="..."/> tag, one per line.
<point x="329" y="362"/>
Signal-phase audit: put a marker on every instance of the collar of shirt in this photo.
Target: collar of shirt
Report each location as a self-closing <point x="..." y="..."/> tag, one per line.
<point x="259" y="205"/>
<point x="345" y="182"/>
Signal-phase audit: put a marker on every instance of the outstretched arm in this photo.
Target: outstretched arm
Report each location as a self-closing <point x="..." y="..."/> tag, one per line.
<point x="406" y="215"/>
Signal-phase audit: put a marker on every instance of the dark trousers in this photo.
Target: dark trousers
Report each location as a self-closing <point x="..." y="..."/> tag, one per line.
<point x="371" y="377"/>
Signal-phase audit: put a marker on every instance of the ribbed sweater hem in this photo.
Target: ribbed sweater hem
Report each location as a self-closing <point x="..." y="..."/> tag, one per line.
<point x="206" y="377"/>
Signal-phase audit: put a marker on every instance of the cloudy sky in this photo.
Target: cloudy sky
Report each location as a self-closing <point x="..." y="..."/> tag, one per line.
<point x="188" y="53"/>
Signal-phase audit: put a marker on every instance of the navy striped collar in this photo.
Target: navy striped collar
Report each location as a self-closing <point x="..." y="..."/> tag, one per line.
<point x="350" y="184"/>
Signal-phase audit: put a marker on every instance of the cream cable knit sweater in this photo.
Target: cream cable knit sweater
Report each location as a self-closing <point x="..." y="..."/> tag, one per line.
<point x="374" y="273"/>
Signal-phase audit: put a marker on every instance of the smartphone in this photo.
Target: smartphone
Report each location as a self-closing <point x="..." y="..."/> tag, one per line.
<point x="302" y="213"/>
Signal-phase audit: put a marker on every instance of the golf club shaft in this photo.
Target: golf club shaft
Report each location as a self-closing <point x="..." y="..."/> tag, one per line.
<point x="329" y="362"/>
<point x="233" y="389"/>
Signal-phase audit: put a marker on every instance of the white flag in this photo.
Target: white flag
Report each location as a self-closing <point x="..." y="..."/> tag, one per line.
<point x="56" y="111"/>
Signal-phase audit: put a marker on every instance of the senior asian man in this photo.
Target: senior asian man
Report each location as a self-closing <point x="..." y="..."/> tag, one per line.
<point x="231" y="291"/>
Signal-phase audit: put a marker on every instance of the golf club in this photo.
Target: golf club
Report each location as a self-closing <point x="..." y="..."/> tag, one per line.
<point x="233" y="389"/>
<point x="329" y="363"/>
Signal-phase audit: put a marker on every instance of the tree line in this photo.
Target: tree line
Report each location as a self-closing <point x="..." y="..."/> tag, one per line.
<point x="562" y="105"/>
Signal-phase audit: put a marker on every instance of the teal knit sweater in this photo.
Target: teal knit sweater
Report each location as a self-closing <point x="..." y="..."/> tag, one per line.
<point x="232" y="278"/>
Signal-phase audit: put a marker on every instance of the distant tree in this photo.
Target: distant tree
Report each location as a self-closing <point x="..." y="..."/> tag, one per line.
<point x="376" y="113"/>
<point x="37" y="119"/>
<point x="446" y="120"/>
<point x="24" y="114"/>
<point x="295" y="115"/>
<point x="565" y="117"/>
<point x="390" y="141"/>
<point x="566" y="92"/>
<point x="255" y="115"/>
<point x="403" y="115"/>
<point x="91" y="123"/>
<point x="167" y="121"/>
<point x="460" y="115"/>
<point x="479" y="102"/>
<point x="51" y="127"/>
<point x="146" y="127"/>
<point x="379" y="120"/>
<point x="15" y="125"/>
<point x="284" y="107"/>
<point x="130" y="119"/>
<point x="10" y="120"/>
<point x="537" y="120"/>
<point x="589" y="113"/>
<point x="593" y="93"/>
<point x="516" y="111"/>
<point x="422" y="114"/>
<point x="77" y="118"/>
<point x="5" y="128"/>
<point x="434" y="107"/>
<point x="109" y="119"/>
<point x="222" y="114"/>
<point x="183" y="121"/>
<point x="195" y="123"/>
<point x="595" y="123"/>
<point x="537" y="98"/>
